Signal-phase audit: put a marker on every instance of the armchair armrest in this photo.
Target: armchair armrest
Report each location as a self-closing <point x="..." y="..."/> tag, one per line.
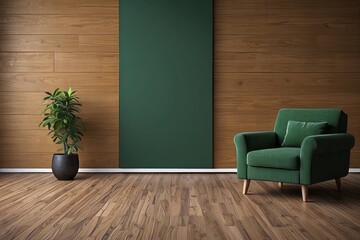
<point x="326" y="143"/>
<point x="324" y="157"/>
<point x="250" y="141"/>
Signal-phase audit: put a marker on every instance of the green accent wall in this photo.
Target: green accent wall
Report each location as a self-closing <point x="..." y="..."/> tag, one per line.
<point x="166" y="83"/>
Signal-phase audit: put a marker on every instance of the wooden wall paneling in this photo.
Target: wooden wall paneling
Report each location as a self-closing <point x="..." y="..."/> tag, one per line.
<point x="50" y="44"/>
<point x="37" y="82"/>
<point x="26" y="62"/>
<point x="287" y="62"/>
<point x="279" y="53"/>
<point x="36" y="140"/>
<point x="87" y="62"/>
<point x="39" y="43"/>
<point x="247" y="103"/>
<point x="99" y="43"/>
<point x="285" y="9"/>
<point x="291" y="20"/>
<point x="307" y="49"/>
<point x="17" y="122"/>
<point x="58" y="24"/>
<point x="56" y="7"/>
<point x="324" y="82"/>
<point x="260" y="43"/>
<point x="96" y="102"/>
<point x="231" y="5"/>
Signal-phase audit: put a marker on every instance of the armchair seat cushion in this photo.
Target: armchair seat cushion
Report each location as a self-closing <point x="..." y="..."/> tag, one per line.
<point x="282" y="158"/>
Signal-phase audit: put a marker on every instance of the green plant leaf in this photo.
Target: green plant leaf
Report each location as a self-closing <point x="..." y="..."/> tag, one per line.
<point x="62" y="120"/>
<point x="55" y="92"/>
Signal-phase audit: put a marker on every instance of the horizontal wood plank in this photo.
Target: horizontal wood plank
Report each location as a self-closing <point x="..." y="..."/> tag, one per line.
<point x="87" y="62"/>
<point x="99" y="43"/>
<point x="235" y="84"/>
<point x="58" y="24"/>
<point x="292" y="20"/>
<point x="41" y="82"/>
<point x="30" y="103"/>
<point x="26" y="62"/>
<point x="37" y="141"/>
<point x="39" y="43"/>
<point x="247" y="104"/>
<point x="227" y="6"/>
<point x="93" y="122"/>
<point x="78" y="7"/>
<point x="287" y="62"/>
<point x="286" y="43"/>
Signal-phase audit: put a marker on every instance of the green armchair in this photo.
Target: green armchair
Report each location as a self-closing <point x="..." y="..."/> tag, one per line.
<point x="307" y="146"/>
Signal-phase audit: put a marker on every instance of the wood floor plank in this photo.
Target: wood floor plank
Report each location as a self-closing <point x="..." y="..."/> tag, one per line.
<point x="173" y="206"/>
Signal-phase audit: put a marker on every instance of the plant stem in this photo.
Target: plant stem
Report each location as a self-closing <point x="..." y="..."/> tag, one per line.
<point x="65" y="146"/>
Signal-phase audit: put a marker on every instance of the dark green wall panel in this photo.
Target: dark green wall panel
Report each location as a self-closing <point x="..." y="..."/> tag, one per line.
<point x="166" y="83"/>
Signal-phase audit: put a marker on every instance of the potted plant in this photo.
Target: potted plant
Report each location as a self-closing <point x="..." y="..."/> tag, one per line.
<point x="66" y="127"/>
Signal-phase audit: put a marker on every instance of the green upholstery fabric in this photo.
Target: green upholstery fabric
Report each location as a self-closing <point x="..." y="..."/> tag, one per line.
<point x="283" y="158"/>
<point x="297" y="131"/>
<point x="320" y="157"/>
<point x="336" y="119"/>
<point x="247" y="142"/>
<point x="273" y="174"/>
<point x="325" y="157"/>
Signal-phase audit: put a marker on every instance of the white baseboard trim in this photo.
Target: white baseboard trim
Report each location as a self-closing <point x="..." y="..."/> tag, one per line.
<point x="136" y="170"/>
<point x="125" y="170"/>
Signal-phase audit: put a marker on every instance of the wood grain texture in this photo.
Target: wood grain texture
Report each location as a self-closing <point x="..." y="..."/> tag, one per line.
<point x="46" y="45"/>
<point x="87" y="62"/>
<point x="279" y="53"/>
<point x="59" y="24"/>
<point x="92" y="103"/>
<point x="82" y="82"/>
<point x="173" y="206"/>
<point x="299" y="54"/>
<point x="99" y="43"/>
<point x="231" y="17"/>
<point x="59" y="7"/>
<point x="38" y="141"/>
<point x="29" y="122"/>
<point x="285" y="4"/>
<point x="26" y="62"/>
<point x="39" y="43"/>
<point x="261" y="43"/>
<point x="287" y="62"/>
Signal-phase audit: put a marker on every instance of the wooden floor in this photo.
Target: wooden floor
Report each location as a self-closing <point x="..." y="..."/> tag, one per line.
<point x="173" y="206"/>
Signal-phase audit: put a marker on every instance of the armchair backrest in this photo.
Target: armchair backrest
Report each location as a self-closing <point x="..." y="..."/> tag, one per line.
<point x="336" y="119"/>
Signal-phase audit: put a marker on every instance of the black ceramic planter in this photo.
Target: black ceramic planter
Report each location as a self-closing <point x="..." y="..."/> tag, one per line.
<point x="65" y="167"/>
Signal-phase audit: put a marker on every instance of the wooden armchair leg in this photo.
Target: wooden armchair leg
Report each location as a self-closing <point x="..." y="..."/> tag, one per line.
<point x="338" y="183"/>
<point x="304" y="192"/>
<point x="246" y="186"/>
